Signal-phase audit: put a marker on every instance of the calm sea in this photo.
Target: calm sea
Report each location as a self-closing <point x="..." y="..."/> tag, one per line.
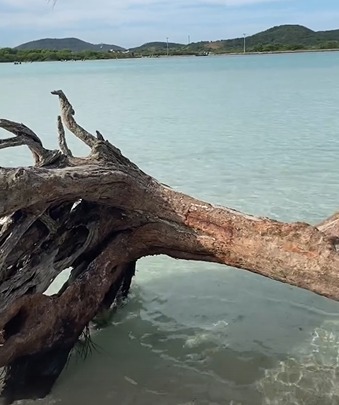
<point x="256" y="133"/>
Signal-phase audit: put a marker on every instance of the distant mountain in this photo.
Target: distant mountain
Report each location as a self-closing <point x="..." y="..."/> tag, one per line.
<point x="157" y="47"/>
<point x="283" y="34"/>
<point x="279" y="38"/>
<point x="72" y="44"/>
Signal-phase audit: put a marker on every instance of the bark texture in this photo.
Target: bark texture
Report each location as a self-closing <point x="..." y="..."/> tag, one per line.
<point x="99" y="215"/>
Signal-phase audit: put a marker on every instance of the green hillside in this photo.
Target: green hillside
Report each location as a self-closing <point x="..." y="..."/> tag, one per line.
<point x="157" y="47"/>
<point x="275" y="39"/>
<point x="72" y="44"/>
<point x="280" y="38"/>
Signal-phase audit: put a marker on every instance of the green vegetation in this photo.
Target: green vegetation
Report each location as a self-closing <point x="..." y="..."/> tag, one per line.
<point x="73" y="44"/>
<point x="276" y="39"/>
<point x="42" y="55"/>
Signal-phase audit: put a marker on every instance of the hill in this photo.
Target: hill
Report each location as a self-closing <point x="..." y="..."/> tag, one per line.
<point x="279" y="38"/>
<point x="154" y="47"/>
<point x="283" y="37"/>
<point x="72" y="44"/>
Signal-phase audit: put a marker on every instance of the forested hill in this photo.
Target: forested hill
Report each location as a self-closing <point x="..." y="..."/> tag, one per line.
<point x="72" y="44"/>
<point x="276" y="39"/>
<point x="280" y="38"/>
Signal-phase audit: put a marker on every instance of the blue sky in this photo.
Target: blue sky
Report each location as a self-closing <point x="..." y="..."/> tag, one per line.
<point x="133" y="22"/>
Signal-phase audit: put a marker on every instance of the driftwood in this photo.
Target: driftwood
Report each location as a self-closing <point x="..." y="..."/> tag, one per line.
<point x="99" y="215"/>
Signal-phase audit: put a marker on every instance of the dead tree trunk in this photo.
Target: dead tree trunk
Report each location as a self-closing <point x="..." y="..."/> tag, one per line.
<point x="99" y="215"/>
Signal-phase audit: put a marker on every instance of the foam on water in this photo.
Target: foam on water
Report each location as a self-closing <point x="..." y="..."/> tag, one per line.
<point x="309" y="377"/>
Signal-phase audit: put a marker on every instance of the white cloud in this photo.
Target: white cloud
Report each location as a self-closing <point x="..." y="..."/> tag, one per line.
<point x="76" y="6"/>
<point x="44" y="13"/>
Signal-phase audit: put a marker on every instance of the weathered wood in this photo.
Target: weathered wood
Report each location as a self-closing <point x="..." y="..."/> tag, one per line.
<point x="99" y="215"/>
<point x="62" y="139"/>
<point x="26" y="136"/>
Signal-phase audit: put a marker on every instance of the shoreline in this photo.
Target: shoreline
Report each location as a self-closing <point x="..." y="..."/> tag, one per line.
<point x="282" y="52"/>
<point x="249" y="53"/>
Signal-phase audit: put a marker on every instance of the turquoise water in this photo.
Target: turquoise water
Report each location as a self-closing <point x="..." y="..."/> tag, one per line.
<point x="256" y="133"/>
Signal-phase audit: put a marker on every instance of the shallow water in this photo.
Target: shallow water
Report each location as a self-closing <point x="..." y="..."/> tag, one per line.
<point x="257" y="133"/>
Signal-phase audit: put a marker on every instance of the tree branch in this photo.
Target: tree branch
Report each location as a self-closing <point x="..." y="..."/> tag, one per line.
<point x="11" y="142"/>
<point x="25" y="136"/>
<point x="67" y="113"/>
<point x="99" y="136"/>
<point x="62" y="139"/>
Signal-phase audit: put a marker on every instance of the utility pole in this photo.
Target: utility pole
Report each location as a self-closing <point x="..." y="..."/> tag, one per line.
<point x="189" y="39"/>
<point x="167" y="45"/>
<point x="244" y="42"/>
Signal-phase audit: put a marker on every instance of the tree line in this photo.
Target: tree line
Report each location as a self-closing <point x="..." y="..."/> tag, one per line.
<point x="44" y="55"/>
<point x="199" y="49"/>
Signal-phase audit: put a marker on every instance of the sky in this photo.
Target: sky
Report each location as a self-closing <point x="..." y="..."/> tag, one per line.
<point x="130" y="23"/>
